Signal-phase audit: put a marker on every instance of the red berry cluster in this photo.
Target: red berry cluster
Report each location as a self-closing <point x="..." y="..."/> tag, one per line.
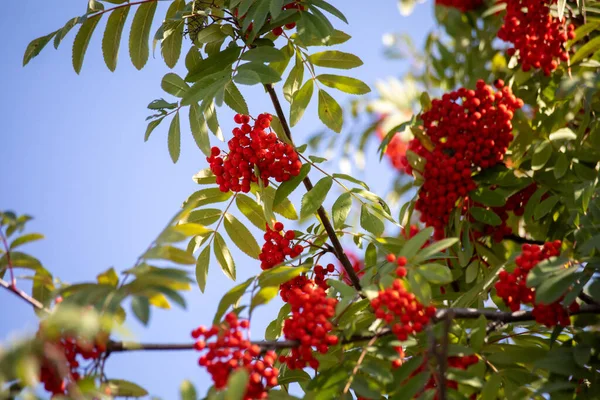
<point x="309" y="324"/>
<point x="512" y="287"/>
<point x="229" y="351"/>
<point x="74" y="350"/>
<point x="462" y="5"/>
<point x="358" y="266"/>
<point x="458" y="362"/>
<point x="321" y="272"/>
<point x="470" y="130"/>
<point x="515" y="203"/>
<point x="396" y="306"/>
<point x="397" y="363"/>
<point x="277" y="246"/>
<point x="396" y="152"/>
<point x="253" y="146"/>
<point x="537" y="36"/>
<point x="277" y="31"/>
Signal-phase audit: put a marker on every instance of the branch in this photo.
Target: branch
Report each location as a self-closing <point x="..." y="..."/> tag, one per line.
<point x="588" y="299"/>
<point x="522" y="240"/>
<point x="446" y="314"/>
<point x="19" y="293"/>
<point x="337" y="246"/>
<point x="13" y="281"/>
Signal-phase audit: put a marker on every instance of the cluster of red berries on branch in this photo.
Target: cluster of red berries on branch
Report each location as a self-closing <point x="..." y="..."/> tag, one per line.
<point x="512" y="287"/>
<point x="278" y="245"/>
<point x="309" y="324"/>
<point x="252" y="146"/>
<point x="400" y="308"/>
<point x="515" y="204"/>
<point x="462" y="5"/>
<point x="470" y="131"/>
<point x="458" y="362"/>
<point x="71" y="350"/>
<point x="537" y="36"/>
<point x="278" y="31"/>
<point x="226" y="349"/>
<point x="320" y="275"/>
<point x="319" y="279"/>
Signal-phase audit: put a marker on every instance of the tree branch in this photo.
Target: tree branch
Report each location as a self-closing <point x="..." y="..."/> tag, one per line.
<point x="337" y="246"/>
<point x="19" y="293"/>
<point x="9" y="265"/>
<point x="522" y="240"/>
<point x="446" y="314"/>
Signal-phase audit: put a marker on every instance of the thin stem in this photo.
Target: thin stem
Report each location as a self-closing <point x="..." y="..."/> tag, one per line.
<point x="339" y="250"/>
<point x="27" y="298"/>
<point x="522" y="240"/>
<point x="121" y="6"/>
<point x="13" y="281"/>
<point x="358" y="363"/>
<point x="222" y="218"/>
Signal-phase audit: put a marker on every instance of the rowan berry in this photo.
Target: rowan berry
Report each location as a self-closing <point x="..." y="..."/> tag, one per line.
<point x="278" y="245"/>
<point x="462" y="5"/>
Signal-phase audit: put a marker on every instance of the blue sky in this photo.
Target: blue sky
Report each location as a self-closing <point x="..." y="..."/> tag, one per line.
<point x="73" y="156"/>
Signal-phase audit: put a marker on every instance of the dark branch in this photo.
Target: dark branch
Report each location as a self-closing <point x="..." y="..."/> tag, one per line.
<point x="446" y="314"/>
<point x="588" y="299"/>
<point x="337" y="246"/>
<point x="522" y="240"/>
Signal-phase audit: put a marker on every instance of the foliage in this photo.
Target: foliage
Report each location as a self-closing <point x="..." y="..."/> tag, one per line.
<point x="415" y="315"/>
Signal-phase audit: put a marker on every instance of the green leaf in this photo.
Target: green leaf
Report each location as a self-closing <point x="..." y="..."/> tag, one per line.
<point x="205" y="216"/>
<point x="284" y="208"/>
<point x="28" y="238"/>
<point x="486" y="216"/>
<point x="542" y="209"/>
<point x="437" y="274"/>
<point x="139" y="36"/>
<point x="82" y="40"/>
<point x="541" y="155"/>
<point x="199" y="129"/>
<point x="204" y="177"/>
<point x="252" y="73"/>
<point x="174" y="85"/>
<point x="207" y="196"/>
<point x="230" y="298"/>
<point x="413" y="245"/>
<point x="561" y="166"/>
<point x="236" y="384"/>
<point x="112" y="36"/>
<point x="141" y="308"/>
<point x="344" y="83"/>
<point x="206" y="88"/>
<point x="313" y="199"/>
<point x="286" y="188"/>
<point x="123" y="388"/>
<point x="215" y="63"/>
<point x="420" y="287"/>
<point x="371" y="222"/>
<point x="300" y="102"/>
<point x="340" y="210"/>
<point x="294" y="80"/>
<point x="108" y="277"/>
<point x="330" y="9"/>
<point x="554" y="287"/>
<point x="187" y="391"/>
<point x="42" y="288"/>
<point x="171" y="44"/>
<point x="279" y="275"/>
<point x="412" y="387"/>
<point x="234" y="99"/>
<point x="335" y="59"/>
<point x="263" y="54"/>
<point x="62" y="32"/>
<point x="264" y="295"/>
<point x="586" y="50"/>
<point x="435" y="248"/>
<point x="562" y="134"/>
<point x="174" y="138"/>
<point x="211" y="33"/>
<point x="224" y="257"/>
<point x="171" y="253"/>
<point x="487" y="197"/>
<point x="35" y="47"/>
<point x="202" y="268"/>
<point x="330" y="112"/>
<point x="251" y="210"/>
<point x="241" y="236"/>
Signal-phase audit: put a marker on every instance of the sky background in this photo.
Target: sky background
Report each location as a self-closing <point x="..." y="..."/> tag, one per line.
<point x="73" y="156"/>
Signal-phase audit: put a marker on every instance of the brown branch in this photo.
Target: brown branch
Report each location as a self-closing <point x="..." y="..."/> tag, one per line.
<point x="588" y="299"/>
<point x="19" y="293"/>
<point x="358" y="363"/>
<point x="135" y="3"/>
<point x="447" y="314"/>
<point x="337" y="246"/>
<point x="522" y="240"/>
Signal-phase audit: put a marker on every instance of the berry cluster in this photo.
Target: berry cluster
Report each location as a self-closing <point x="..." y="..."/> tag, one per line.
<point x="537" y="36"/>
<point x="278" y="31"/>
<point x="515" y="203"/>
<point x="250" y="147"/>
<point x="321" y="272"/>
<point x="230" y="350"/>
<point x="396" y="152"/>
<point x="512" y="287"/>
<point x="462" y="5"/>
<point x="396" y="306"/>
<point x="74" y="350"/>
<point x="277" y="246"/>
<point x="470" y="130"/>
<point x="309" y="324"/>
<point x="458" y="362"/>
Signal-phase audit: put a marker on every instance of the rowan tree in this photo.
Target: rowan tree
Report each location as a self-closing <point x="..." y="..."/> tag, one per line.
<point x="473" y="278"/>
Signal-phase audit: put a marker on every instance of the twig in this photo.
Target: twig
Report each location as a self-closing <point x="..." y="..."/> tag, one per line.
<point x="339" y="251"/>
<point x="13" y="281"/>
<point x="522" y="240"/>
<point x="358" y="363"/>
<point x="588" y="299"/>
<point x="443" y="358"/>
<point x="27" y="298"/>
<point x="447" y="314"/>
